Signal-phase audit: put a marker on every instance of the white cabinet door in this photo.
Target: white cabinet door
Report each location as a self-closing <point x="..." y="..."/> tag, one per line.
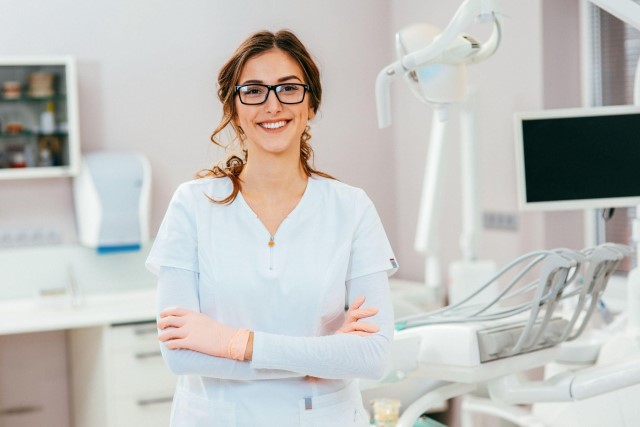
<point x="119" y="377"/>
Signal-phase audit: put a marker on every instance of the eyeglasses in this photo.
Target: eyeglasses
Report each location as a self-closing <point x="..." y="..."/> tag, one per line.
<point x="287" y="93"/>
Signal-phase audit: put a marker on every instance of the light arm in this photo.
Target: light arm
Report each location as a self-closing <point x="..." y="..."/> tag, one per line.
<point x="438" y="52"/>
<point x="464" y="16"/>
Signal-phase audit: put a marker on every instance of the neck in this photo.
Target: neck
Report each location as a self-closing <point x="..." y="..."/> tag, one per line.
<point x="274" y="176"/>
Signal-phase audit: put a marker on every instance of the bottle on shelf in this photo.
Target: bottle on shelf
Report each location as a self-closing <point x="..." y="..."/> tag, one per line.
<point x="44" y="157"/>
<point x="47" y="120"/>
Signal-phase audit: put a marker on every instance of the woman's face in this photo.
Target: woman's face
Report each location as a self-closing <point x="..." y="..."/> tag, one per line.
<point x="272" y="127"/>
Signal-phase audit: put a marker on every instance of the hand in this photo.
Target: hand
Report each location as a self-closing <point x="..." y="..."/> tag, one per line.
<point x="352" y="325"/>
<point x="190" y="330"/>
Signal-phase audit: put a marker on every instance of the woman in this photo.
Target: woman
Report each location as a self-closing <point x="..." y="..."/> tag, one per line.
<point x="258" y="260"/>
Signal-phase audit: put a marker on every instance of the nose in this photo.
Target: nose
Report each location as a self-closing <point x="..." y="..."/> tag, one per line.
<point x="272" y="103"/>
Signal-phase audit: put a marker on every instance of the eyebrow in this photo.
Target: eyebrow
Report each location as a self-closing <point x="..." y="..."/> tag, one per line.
<point x="280" y="80"/>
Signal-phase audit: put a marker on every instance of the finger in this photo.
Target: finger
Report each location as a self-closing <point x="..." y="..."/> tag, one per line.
<point x="363" y="312"/>
<point x="365" y="327"/>
<point x="177" y="344"/>
<point x="171" y="321"/>
<point x="359" y="326"/>
<point x="171" y="334"/>
<point x="357" y="303"/>
<point x="174" y="311"/>
<point x="359" y="333"/>
<point x="350" y="316"/>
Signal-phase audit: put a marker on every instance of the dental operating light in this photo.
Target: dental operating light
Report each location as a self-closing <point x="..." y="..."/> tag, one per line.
<point x="424" y="50"/>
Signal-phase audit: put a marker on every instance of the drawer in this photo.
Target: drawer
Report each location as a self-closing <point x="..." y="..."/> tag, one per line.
<point x="137" y="336"/>
<point x="23" y="418"/>
<point x="143" y="412"/>
<point x="139" y="372"/>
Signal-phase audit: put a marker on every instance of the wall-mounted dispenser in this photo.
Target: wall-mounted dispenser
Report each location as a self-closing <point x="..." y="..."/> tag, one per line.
<point x="111" y="197"/>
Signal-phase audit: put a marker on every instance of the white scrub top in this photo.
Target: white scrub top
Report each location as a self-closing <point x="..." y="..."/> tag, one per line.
<point x="293" y="288"/>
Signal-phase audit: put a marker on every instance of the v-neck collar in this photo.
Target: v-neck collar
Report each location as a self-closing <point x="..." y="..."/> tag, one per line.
<point x="292" y="214"/>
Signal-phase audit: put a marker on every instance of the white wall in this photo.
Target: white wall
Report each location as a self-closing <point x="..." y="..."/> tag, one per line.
<point x="147" y="72"/>
<point x="510" y="81"/>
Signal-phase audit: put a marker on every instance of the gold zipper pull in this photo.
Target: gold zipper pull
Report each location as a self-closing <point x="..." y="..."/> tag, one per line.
<point x="272" y="242"/>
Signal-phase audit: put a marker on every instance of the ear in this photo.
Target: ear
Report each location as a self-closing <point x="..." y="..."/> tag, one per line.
<point x="312" y="113"/>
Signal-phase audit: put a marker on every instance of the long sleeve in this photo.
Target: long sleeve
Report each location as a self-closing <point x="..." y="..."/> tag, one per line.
<point x="341" y="356"/>
<point x="179" y="288"/>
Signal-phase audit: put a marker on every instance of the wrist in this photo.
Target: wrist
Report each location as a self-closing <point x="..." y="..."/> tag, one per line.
<point x="238" y="343"/>
<point x="248" y="353"/>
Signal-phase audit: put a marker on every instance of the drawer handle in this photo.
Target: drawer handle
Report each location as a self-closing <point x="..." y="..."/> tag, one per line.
<point x="156" y="401"/>
<point x="148" y="354"/>
<point x="145" y="330"/>
<point x="19" y="410"/>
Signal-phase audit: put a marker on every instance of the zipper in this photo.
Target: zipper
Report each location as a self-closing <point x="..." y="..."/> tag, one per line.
<point x="272" y="243"/>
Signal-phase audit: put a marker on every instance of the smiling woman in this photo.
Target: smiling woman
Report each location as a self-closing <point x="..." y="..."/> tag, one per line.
<point x="242" y="87"/>
<point x="258" y="258"/>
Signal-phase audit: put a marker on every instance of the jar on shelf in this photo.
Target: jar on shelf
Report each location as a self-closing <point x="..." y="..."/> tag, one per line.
<point x="16" y="157"/>
<point x="11" y="89"/>
<point x="40" y="84"/>
<point x="13" y="128"/>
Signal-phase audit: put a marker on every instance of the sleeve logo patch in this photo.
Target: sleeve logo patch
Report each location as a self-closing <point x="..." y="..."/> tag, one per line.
<point x="393" y="262"/>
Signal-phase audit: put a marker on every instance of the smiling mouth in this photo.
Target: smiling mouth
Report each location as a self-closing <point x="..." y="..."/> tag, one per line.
<point x="274" y="125"/>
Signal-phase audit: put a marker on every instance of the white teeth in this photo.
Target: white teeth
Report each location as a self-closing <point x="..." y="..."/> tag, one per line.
<point x="274" y="125"/>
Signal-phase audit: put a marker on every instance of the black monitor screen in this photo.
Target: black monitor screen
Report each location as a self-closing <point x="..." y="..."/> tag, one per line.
<point x="581" y="158"/>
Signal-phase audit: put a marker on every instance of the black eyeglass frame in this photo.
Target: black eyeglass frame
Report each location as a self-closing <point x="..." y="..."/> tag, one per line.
<point x="273" y="88"/>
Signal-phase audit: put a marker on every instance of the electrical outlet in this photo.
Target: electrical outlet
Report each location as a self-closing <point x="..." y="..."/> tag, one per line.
<point x="37" y="236"/>
<point x="500" y="221"/>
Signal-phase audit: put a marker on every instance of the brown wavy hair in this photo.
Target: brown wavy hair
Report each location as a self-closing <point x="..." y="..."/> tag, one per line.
<point x="229" y="76"/>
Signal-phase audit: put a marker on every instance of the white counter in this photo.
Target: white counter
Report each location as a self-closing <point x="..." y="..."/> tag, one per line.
<point x="30" y="315"/>
<point x="111" y="288"/>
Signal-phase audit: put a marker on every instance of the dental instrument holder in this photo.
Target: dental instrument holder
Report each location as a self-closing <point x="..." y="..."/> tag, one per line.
<point x="436" y="73"/>
<point x="537" y="341"/>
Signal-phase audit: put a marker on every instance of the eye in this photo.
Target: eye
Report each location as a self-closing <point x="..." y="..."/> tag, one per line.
<point x="290" y="88"/>
<point x="253" y="90"/>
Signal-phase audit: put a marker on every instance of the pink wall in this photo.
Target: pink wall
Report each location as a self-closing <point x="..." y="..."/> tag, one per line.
<point x="147" y="74"/>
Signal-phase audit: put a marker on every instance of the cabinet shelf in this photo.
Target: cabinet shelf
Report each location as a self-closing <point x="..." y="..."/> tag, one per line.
<point x="28" y="133"/>
<point x="34" y="99"/>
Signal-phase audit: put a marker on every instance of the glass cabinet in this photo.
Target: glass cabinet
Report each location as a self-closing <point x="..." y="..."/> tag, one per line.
<point x="39" y="135"/>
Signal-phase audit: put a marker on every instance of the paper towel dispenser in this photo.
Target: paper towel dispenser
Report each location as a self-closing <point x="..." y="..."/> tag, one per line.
<point x="111" y="197"/>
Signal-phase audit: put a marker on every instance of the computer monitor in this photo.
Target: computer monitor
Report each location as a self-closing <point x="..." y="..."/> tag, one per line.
<point x="578" y="158"/>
